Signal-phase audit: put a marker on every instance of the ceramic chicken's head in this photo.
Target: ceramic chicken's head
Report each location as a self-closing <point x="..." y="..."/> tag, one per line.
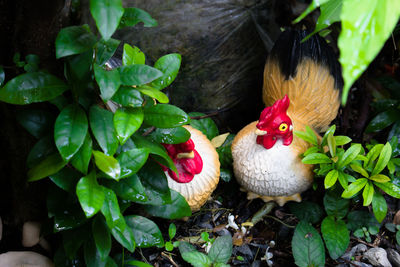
<point x="274" y="124"/>
<point x="187" y="161"/>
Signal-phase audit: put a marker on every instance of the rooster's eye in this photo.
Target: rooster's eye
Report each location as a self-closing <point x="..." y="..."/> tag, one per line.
<point x="283" y="127"/>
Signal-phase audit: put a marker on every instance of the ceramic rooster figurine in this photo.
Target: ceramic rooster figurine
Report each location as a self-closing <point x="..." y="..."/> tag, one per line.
<point x="302" y="83"/>
<point x="198" y="168"/>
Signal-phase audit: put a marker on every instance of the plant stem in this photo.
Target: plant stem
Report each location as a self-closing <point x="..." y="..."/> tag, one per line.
<point x="262" y="212"/>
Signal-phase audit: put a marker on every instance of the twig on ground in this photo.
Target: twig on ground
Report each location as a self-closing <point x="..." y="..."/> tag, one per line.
<point x="280" y="221"/>
<point x="169" y="257"/>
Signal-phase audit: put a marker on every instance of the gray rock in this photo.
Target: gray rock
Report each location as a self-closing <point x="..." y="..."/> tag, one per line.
<point x="377" y="257"/>
<point x="361" y="264"/>
<point x="24" y="259"/>
<point x="394" y="257"/>
<point x="356" y="250"/>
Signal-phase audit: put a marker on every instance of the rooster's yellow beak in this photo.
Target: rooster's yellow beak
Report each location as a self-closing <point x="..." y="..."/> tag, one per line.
<point x="260" y="132"/>
<point x="187" y="155"/>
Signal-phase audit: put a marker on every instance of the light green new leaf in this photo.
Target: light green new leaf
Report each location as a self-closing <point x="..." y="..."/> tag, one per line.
<point x="372" y="155"/>
<point x="308" y="136"/>
<point x="165" y="116"/>
<point x="332" y="144"/>
<point x="307" y="246"/>
<point x="108" y="81"/>
<point x="342" y="140"/>
<point x="332" y="130"/>
<point x="132" y="16"/>
<point x="354" y="188"/>
<point x="32" y="87"/>
<point x="383" y="159"/>
<point x="368" y="193"/>
<point x="132" y="55"/>
<point x="366" y="25"/>
<point x="70" y="130"/>
<point x="101" y="123"/>
<point x="169" y="65"/>
<point x="138" y="74"/>
<point x="379" y="206"/>
<point x="90" y="194"/>
<point x="359" y="169"/>
<point x="107" y="14"/>
<point x="74" y="40"/>
<point x="107" y="164"/>
<point x="349" y="155"/>
<point x="316" y="158"/>
<point x="126" y="122"/>
<point x="314" y="5"/>
<point x="336" y="236"/>
<point x="380" y="178"/>
<point x="154" y="93"/>
<point x="50" y="165"/>
<point x="331" y="178"/>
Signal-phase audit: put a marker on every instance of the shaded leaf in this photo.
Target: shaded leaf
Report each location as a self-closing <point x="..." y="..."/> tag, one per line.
<point x="221" y="249"/>
<point x="66" y="179"/>
<point x="146" y="232"/>
<point x="128" y="97"/>
<point x="335" y="205"/>
<point x="197" y="259"/>
<point x="126" y="122"/>
<point x="307" y="211"/>
<point x="132" y="160"/>
<point x="107" y="15"/>
<point x="37" y="122"/>
<point x="379" y="206"/>
<point x="90" y="194"/>
<point x="2" y="75"/>
<point x="165" y="116"/>
<point x="102" y="237"/>
<point x="32" y="87"/>
<point x="138" y="74"/>
<point x="74" y="40"/>
<point x="383" y="120"/>
<point x="129" y="188"/>
<point x="336" y="236"/>
<point x="176" y="210"/>
<point x="81" y="159"/>
<point x="132" y="16"/>
<point x="207" y="126"/>
<point x="108" y="81"/>
<point x="50" y="165"/>
<point x="92" y="255"/>
<point x="105" y="50"/>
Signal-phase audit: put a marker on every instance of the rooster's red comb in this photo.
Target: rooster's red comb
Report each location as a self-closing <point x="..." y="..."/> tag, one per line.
<point x="280" y="106"/>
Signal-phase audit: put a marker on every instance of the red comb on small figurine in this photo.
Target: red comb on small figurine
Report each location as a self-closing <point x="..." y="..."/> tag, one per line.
<point x="274" y="124"/>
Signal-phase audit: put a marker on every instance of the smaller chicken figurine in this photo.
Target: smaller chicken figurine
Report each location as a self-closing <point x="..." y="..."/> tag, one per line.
<point x="302" y="83"/>
<point x="198" y="168"/>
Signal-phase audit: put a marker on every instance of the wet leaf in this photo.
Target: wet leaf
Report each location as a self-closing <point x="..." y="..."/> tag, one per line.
<point x="70" y="131"/>
<point x="169" y="65"/>
<point x="146" y="232"/>
<point x="74" y="40"/>
<point x="129" y="188"/>
<point x="92" y="255"/>
<point x="389" y="188"/>
<point x="383" y="120"/>
<point x="107" y="164"/>
<point x="128" y="97"/>
<point x="175" y="135"/>
<point x="66" y="179"/>
<point x="126" y="122"/>
<point x="138" y="74"/>
<point x="32" y="87"/>
<point x="107" y="15"/>
<point x="105" y="50"/>
<point x="90" y="194"/>
<point x="171" y="231"/>
<point x="307" y="246"/>
<point x="153" y="93"/>
<point x="165" y="116"/>
<point x="132" y="160"/>
<point x="176" y="210"/>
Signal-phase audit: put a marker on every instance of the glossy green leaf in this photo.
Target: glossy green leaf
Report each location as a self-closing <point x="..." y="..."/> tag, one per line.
<point x="368" y="194"/>
<point x="207" y="126"/>
<point x="152" y="175"/>
<point x="380" y="178"/>
<point x="102" y="237"/>
<point x="332" y="130"/>
<point x="82" y="158"/>
<point x="383" y="120"/>
<point x="357" y="47"/>
<point x="146" y="232"/>
<point x="354" y="188"/>
<point x="66" y="179"/>
<point x="176" y="210"/>
<point x="105" y="50"/>
<point x="129" y="188"/>
<point x="342" y="140"/>
<point x="331" y="178"/>
<point x="308" y="136"/>
<point x="158" y="151"/>
<point x="336" y="236"/>
<point x="307" y="211"/>
<point x="2" y="75"/>
<point x="74" y="40"/>
<point x="126" y="122"/>
<point x="335" y="205"/>
<point x="153" y="93"/>
<point x="125" y="237"/>
<point x="221" y="249"/>
<point x="78" y="71"/>
<point x="108" y="81"/>
<point x="332" y="145"/>
<point x="132" y="55"/>
<point x="132" y="160"/>
<point x="372" y="155"/>
<point x="379" y="206"/>
<point x="383" y="159"/>
<point x="111" y="210"/>
<point x="101" y="123"/>
<point x="171" y="135"/>
<point x="132" y="16"/>
<point x="107" y="164"/>
<point x="32" y="87"/>
<point x="165" y="116"/>
<point x="343" y="179"/>
<point x="350" y="154"/>
<point x="138" y="74"/>
<point x="389" y="188"/>
<point x="126" y="96"/>
<point x="92" y="255"/>
<point x="37" y="122"/>
<point x="107" y="15"/>
<point x="307" y="246"/>
<point x="50" y="165"/>
<point x="169" y="65"/>
<point x="197" y="259"/>
<point x="359" y="169"/>
<point x="316" y="158"/>
<point x="70" y="130"/>
<point x="90" y="194"/>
